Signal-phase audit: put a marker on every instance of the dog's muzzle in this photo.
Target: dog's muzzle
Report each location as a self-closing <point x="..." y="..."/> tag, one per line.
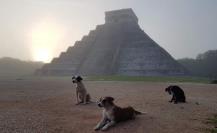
<point x="99" y="104"/>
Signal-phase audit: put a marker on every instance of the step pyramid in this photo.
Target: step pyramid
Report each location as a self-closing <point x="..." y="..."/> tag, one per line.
<point x="118" y="47"/>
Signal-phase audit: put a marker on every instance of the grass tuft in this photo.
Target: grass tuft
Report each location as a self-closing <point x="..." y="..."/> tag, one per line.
<point x="213" y="122"/>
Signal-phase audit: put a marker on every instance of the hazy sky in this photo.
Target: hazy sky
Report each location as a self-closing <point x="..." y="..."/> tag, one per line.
<point x="41" y="29"/>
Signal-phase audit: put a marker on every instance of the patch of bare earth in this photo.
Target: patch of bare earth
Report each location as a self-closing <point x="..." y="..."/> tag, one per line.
<point x="49" y="106"/>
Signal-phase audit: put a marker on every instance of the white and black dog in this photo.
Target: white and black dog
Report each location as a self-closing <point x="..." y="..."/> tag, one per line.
<point x="113" y="114"/>
<point x="81" y="93"/>
<point x="177" y="93"/>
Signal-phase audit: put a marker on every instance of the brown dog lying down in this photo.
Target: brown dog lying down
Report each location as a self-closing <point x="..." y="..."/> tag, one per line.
<point x="113" y="114"/>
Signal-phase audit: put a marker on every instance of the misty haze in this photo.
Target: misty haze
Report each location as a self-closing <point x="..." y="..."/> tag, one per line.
<point x="122" y="66"/>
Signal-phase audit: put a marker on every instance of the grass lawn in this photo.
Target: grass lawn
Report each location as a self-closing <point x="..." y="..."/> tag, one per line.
<point x="149" y="79"/>
<point x="120" y="78"/>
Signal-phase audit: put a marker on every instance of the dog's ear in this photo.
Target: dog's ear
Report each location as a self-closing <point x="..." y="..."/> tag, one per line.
<point x="73" y="77"/>
<point x="100" y="99"/>
<point x="167" y="89"/>
<point x="110" y="99"/>
<point x="79" y="78"/>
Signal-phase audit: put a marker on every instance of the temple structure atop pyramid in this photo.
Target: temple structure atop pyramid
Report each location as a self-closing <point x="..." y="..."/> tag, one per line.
<point x="118" y="47"/>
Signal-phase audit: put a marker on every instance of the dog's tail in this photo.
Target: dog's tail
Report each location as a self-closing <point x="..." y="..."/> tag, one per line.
<point x="88" y="98"/>
<point x="139" y="112"/>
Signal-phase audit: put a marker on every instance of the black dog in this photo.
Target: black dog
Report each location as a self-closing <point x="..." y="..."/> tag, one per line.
<point x="177" y="92"/>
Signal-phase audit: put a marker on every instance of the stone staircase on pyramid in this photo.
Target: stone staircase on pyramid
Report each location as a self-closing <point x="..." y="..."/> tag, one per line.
<point x="118" y="47"/>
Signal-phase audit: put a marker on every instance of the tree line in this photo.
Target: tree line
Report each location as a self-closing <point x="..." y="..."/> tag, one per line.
<point x="205" y="64"/>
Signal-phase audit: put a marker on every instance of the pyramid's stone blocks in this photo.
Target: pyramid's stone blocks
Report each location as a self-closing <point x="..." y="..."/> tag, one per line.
<point x="119" y="16"/>
<point x="119" y="47"/>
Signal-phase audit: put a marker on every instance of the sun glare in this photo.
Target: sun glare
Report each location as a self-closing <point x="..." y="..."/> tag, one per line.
<point x="42" y="55"/>
<point x="45" y="37"/>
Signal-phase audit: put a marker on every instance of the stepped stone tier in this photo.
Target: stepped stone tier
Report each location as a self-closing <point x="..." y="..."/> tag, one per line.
<point x="118" y="47"/>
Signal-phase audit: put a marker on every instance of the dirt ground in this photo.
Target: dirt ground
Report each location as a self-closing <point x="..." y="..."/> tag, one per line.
<point x="48" y="105"/>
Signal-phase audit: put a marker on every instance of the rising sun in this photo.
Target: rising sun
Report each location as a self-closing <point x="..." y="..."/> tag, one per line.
<point x="42" y="55"/>
<point x="44" y="39"/>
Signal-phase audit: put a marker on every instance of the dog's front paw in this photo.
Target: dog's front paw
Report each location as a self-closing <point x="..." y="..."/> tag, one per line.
<point x="78" y="103"/>
<point x="104" y="128"/>
<point x="96" y="128"/>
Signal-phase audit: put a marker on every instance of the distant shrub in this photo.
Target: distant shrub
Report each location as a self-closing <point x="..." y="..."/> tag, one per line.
<point x="214" y="81"/>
